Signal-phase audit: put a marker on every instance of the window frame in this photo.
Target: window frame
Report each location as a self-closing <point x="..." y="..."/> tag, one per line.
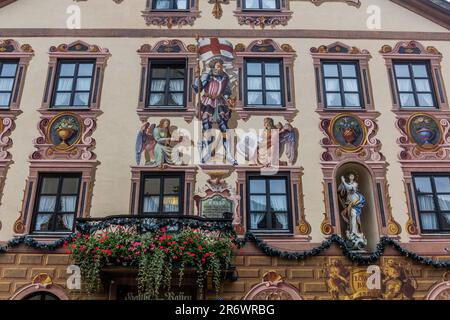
<point x="9" y="61"/>
<point x="260" y="8"/>
<point x="264" y="105"/>
<point x="340" y="77"/>
<point x="167" y="62"/>
<point x="162" y="177"/>
<point x="285" y="176"/>
<point x="73" y="91"/>
<point x="56" y="212"/>
<point x="410" y="64"/>
<point x="172" y="4"/>
<point x="438" y="212"/>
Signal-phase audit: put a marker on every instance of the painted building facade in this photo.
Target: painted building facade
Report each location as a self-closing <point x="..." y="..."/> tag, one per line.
<point x="326" y="130"/>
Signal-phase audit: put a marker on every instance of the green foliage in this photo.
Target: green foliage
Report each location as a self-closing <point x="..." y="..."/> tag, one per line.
<point x="155" y="254"/>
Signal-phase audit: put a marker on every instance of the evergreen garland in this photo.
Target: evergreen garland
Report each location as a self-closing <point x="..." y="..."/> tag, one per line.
<point x="359" y="257"/>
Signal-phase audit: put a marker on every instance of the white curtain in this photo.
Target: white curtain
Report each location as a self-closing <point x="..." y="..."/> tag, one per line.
<point x="426" y="202"/>
<point x="84" y="84"/>
<point x="278" y="203"/>
<point x="334" y="99"/>
<point x="62" y="99"/>
<point x="352" y="100"/>
<point x="257" y="203"/>
<point x="444" y="202"/>
<point x="255" y="219"/>
<point x="171" y="204"/>
<point x="6" y="84"/>
<point x="282" y="219"/>
<point x="41" y="221"/>
<point x="157" y="86"/>
<point x="422" y="85"/>
<point x="68" y="203"/>
<point x="81" y="99"/>
<point x="429" y="221"/>
<point x="177" y="85"/>
<point x="407" y="100"/>
<point x="4" y="99"/>
<point x="447" y="218"/>
<point x="181" y="4"/>
<point x="269" y="4"/>
<point x="162" y="4"/>
<point x="273" y="98"/>
<point x="404" y="85"/>
<point x="426" y="100"/>
<point x="47" y="204"/>
<point x="9" y="70"/>
<point x="254" y="83"/>
<point x="67" y="220"/>
<point x="151" y="204"/>
<point x="251" y="4"/>
<point x="350" y="85"/>
<point x="332" y="85"/>
<point x="254" y="97"/>
<point x="273" y="83"/>
<point x="65" y="84"/>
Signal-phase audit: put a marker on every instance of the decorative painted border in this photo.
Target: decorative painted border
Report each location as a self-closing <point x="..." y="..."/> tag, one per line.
<point x="170" y="18"/>
<point x="340" y="51"/>
<point x="263" y="18"/>
<point x="267" y="48"/>
<point x="167" y="49"/>
<point x="302" y="228"/>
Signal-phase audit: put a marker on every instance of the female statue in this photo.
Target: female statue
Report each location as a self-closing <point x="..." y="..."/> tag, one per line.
<point x="353" y="202"/>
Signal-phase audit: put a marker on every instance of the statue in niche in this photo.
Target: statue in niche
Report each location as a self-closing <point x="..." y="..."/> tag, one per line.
<point x="156" y="143"/>
<point x="273" y="140"/>
<point x="353" y="203"/>
<point x="213" y="86"/>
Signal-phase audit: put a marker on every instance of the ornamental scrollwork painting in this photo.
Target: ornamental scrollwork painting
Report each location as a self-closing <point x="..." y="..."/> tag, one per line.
<point x="424" y="137"/>
<point x="65" y="136"/>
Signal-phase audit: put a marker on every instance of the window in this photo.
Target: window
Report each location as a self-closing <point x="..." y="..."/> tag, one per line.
<point x="167" y="84"/>
<point x="261" y="4"/>
<point x="268" y="203"/>
<point x="162" y="194"/>
<point x="56" y="202"/>
<point x="414" y="85"/>
<point x="170" y="4"/>
<point x="263" y="82"/>
<point x="342" y="84"/>
<point x="8" y="70"/>
<point x="73" y="83"/>
<point x="433" y="201"/>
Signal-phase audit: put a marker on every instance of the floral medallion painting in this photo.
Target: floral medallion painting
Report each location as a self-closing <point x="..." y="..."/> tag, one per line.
<point x="348" y="131"/>
<point x="64" y="131"/>
<point x="425" y="131"/>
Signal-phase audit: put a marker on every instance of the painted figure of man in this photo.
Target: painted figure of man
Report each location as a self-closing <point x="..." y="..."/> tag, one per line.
<point x="215" y="105"/>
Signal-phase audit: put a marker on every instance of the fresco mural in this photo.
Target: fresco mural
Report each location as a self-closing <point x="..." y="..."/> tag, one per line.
<point x="424" y="131"/>
<point x="65" y="131"/>
<point x="348" y="132"/>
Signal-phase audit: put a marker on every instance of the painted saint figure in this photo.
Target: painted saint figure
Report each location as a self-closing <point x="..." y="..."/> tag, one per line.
<point x="353" y="202"/>
<point x="215" y="105"/>
<point x="156" y="143"/>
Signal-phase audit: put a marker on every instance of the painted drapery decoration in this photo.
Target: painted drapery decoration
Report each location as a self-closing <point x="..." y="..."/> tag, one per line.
<point x="353" y="203"/>
<point x="214" y="89"/>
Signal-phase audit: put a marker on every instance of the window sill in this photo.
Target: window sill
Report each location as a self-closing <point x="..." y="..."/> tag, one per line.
<point x="245" y="113"/>
<point x="263" y="18"/>
<point x="187" y="114"/>
<point x="170" y="18"/>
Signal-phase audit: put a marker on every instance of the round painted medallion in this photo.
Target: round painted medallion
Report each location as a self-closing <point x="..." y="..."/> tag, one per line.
<point x="64" y="131"/>
<point x="424" y="130"/>
<point x="348" y="131"/>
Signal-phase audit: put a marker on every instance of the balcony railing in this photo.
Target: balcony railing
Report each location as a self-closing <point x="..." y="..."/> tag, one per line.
<point x="149" y="223"/>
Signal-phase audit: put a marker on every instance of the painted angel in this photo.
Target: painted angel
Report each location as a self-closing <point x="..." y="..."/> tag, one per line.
<point x="145" y="143"/>
<point x="288" y="140"/>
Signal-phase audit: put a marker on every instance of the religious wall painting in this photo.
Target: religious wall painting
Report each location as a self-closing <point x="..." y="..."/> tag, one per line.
<point x="349" y="132"/>
<point x="214" y="85"/>
<point x="158" y="144"/>
<point x="265" y="147"/>
<point x="64" y="131"/>
<point x="425" y="131"/>
<point x="350" y="282"/>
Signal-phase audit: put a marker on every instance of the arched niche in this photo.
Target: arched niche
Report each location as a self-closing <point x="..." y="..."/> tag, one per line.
<point x="367" y="187"/>
<point x="441" y="291"/>
<point x="267" y="291"/>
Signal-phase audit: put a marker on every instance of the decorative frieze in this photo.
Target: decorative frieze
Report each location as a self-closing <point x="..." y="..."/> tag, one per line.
<point x="170" y="17"/>
<point x="263" y="18"/>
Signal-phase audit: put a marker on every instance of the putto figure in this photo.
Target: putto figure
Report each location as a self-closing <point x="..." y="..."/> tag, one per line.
<point x="215" y="102"/>
<point x="353" y="202"/>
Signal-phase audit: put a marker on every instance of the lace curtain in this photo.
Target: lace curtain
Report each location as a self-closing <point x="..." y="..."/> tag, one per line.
<point x="178" y="86"/>
<point x="151" y="204"/>
<point x="157" y="86"/>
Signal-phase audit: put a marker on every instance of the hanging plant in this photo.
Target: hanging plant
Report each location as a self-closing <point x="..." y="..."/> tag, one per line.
<point x="155" y="254"/>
